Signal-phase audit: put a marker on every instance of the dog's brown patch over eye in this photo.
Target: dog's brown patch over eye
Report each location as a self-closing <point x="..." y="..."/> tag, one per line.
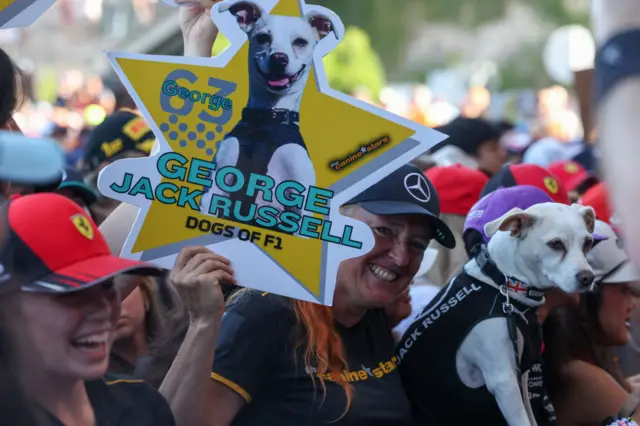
<point x="556" y="245"/>
<point x="588" y="245"/>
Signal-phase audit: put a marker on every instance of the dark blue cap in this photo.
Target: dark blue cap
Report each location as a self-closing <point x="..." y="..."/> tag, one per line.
<point x="407" y="191"/>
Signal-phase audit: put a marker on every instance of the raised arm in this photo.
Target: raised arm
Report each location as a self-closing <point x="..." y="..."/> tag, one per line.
<point x="198" y="31"/>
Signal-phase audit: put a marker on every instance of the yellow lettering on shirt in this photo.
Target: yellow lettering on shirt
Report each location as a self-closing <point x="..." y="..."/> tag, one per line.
<point x="365" y="373"/>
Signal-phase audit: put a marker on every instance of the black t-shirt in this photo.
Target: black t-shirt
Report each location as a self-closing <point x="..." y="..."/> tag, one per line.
<point x="255" y="358"/>
<point x="121" y="401"/>
<point x="427" y="359"/>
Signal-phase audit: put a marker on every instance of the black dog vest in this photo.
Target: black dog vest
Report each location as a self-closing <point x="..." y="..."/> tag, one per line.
<point x="427" y="355"/>
<point x="260" y="133"/>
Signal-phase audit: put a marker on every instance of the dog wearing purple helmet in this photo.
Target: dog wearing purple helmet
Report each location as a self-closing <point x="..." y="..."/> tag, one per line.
<point x="484" y="323"/>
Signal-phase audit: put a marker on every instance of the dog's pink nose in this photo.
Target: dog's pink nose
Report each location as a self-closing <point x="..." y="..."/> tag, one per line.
<point x="279" y="59"/>
<point x="585" y="278"/>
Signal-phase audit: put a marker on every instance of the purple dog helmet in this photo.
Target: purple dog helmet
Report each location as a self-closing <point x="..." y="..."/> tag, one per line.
<point x="501" y="201"/>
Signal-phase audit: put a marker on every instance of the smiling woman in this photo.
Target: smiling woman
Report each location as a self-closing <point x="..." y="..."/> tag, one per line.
<point x="580" y="341"/>
<point x="57" y="321"/>
<point x="312" y="364"/>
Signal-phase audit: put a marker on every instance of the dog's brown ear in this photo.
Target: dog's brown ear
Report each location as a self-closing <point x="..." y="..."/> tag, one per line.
<point x="321" y="24"/>
<point x="588" y="214"/>
<point x="515" y="220"/>
<point x="247" y="13"/>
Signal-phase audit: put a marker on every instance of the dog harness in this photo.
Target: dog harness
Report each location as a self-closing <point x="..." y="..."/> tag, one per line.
<point x="427" y="354"/>
<point x="260" y="133"/>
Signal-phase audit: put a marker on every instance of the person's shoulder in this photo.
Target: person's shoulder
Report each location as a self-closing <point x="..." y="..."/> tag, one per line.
<point x="131" y="388"/>
<point x="256" y="307"/>
<point x="148" y="402"/>
<point x="578" y="372"/>
<point x="123" y="384"/>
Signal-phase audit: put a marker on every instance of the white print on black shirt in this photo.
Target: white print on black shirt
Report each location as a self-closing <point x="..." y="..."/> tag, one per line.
<point x="433" y="315"/>
<point x="534" y="394"/>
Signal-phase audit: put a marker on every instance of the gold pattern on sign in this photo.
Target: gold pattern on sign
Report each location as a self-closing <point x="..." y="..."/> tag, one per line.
<point x="571" y="168"/>
<point x="551" y="184"/>
<point x="83" y="225"/>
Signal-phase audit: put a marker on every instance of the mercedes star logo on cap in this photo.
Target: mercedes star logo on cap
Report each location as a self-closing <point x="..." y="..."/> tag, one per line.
<point x="417" y="187"/>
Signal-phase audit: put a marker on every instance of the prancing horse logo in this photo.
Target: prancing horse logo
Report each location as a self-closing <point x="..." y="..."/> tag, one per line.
<point x="83" y="226"/>
<point x="551" y="184"/>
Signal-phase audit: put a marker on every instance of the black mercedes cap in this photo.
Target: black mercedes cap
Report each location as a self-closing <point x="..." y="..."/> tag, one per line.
<point x="407" y="191"/>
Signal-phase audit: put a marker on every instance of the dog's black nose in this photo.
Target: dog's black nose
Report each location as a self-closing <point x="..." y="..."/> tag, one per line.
<point x="279" y="60"/>
<point x="585" y="278"/>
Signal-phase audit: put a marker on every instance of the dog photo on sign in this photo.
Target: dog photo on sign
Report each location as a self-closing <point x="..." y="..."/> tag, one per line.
<point x="267" y="140"/>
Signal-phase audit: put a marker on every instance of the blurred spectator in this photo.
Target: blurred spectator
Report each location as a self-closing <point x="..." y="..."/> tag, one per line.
<point x="584" y="380"/>
<point x="72" y="186"/>
<point x="142" y="320"/>
<point x="13" y="92"/>
<point x="121" y="135"/>
<point x="477" y="138"/>
<point x="459" y="189"/>
<point x="527" y="174"/>
<point x="573" y="177"/>
<point x="588" y="158"/>
<point x="597" y="197"/>
<point x="550" y="150"/>
<point x="420" y="102"/>
<point x="516" y="143"/>
<point x="477" y="103"/>
<point x="448" y="155"/>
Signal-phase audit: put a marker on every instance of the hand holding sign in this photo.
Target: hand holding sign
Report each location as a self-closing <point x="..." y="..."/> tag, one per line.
<point x="198" y="30"/>
<point x="257" y="153"/>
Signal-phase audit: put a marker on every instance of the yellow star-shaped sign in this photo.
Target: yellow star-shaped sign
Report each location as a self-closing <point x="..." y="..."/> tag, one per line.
<point x="21" y="13"/>
<point x="192" y="104"/>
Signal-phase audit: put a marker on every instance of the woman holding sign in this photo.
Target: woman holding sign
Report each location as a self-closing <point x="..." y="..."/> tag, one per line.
<point x="289" y="362"/>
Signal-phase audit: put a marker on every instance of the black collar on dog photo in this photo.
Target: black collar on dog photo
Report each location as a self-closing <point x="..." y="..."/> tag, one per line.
<point x="272" y="116"/>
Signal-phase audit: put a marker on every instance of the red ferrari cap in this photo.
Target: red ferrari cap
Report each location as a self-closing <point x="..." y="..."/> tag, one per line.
<point x="531" y="175"/>
<point x="597" y="197"/>
<point x="53" y="246"/>
<point x="458" y="186"/>
<point x="572" y="175"/>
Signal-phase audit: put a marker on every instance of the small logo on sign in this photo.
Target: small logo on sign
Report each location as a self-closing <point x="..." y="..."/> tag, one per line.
<point x="83" y="226"/>
<point x="551" y="184"/>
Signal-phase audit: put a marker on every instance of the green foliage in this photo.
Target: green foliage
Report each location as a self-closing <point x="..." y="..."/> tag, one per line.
<point x="524" y="69"/>
<point x="390" y="28"/>
<point x="354" y="64"/>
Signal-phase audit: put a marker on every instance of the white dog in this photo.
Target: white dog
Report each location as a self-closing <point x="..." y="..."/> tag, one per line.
<point x="473" y="356"/>
<point x="267" y="140"/>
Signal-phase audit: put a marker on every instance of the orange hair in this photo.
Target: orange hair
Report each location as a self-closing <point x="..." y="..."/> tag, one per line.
<point x="323" y="345"/>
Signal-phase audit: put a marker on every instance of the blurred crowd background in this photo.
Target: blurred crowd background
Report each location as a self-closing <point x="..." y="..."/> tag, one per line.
<point x="515" y="61"/>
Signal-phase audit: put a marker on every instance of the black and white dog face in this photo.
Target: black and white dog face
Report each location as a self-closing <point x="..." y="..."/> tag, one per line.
<point x="281" y="47"/>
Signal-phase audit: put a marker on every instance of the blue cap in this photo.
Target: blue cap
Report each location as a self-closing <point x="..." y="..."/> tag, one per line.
<point x="29" y="161"/>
